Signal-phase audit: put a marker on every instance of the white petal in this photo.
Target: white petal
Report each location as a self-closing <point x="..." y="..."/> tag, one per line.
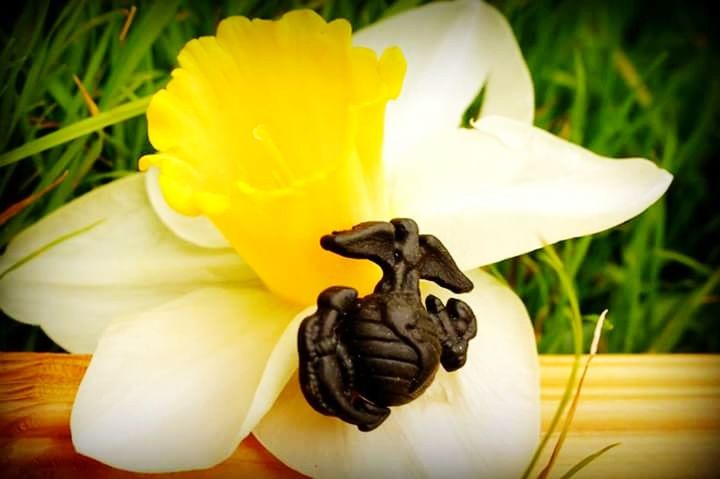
<point x="127" y="263"/>
<point x="506" y="188"/>
<point x="452" y="49"/>
<point x="196" y="229"/>
<point x="169" y="389"/>
<point x="280" y="366"/>
<point x="481" y="421"/>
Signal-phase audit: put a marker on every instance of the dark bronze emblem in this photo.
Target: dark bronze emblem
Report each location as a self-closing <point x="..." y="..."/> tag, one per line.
<point x="360" y="355"/>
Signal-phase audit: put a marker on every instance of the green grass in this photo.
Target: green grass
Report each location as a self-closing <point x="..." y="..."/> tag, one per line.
<point x="621" y="78"/>
<point x="631" y="79"/>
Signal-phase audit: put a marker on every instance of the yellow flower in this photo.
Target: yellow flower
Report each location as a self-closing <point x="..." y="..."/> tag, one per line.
<point x="272" y="134"/>
<point x="273" y="130"/>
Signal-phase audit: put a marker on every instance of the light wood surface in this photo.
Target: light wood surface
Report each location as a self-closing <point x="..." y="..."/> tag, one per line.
<point x="664" y="409"/>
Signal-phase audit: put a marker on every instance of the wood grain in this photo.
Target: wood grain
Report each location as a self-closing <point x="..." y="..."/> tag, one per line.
<point x="664" y="409"/>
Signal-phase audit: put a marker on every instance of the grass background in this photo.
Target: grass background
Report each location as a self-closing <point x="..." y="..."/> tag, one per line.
<point x="623" y="78"/>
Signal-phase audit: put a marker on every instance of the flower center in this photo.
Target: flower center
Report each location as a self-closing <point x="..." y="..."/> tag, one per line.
<point x="273" y="130"/>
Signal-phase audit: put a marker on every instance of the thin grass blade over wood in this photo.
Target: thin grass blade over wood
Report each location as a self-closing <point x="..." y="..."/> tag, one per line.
<point x="573" y="407"/>
<point x="575" y="318"/>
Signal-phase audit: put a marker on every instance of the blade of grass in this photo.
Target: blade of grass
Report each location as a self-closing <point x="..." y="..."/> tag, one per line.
<point x="76" y="130"/>
<point x="579" y="252"/>
<point x="16" y="208"/>
<point x="682" y="316"/>
<point x="57" y="164"/>
<point x="50" y="245"/>
<point x="579" y="109"/>
<point x="634" y="80"/>
<point x="634" y="262"/>
<point x="87" y="98"/>
<point x="90" y="77"/>
<point x="79" y="167"/>
<point x="63" y="30"/>
<point x="29" y="33"/>
<point x="95" y="22"/>
<point x="552" y="258"/>
<point x="128" y="22"/>
<point x="89" y="160"/>
<point x="576" y="399"/>
<point x="684" y="260"/>
<point x="57" y="88"/>
<point x="145" y="31"/>
<point x="580" y="465"/>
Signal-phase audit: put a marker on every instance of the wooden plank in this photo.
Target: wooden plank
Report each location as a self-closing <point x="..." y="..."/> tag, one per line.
<point x="664" y="409"/>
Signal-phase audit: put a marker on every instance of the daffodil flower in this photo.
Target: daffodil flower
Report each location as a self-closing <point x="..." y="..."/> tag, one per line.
<point x="189" y="286"/>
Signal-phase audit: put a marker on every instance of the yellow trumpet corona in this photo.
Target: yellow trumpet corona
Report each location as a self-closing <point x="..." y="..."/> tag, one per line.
<point x="273" y="130"/>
